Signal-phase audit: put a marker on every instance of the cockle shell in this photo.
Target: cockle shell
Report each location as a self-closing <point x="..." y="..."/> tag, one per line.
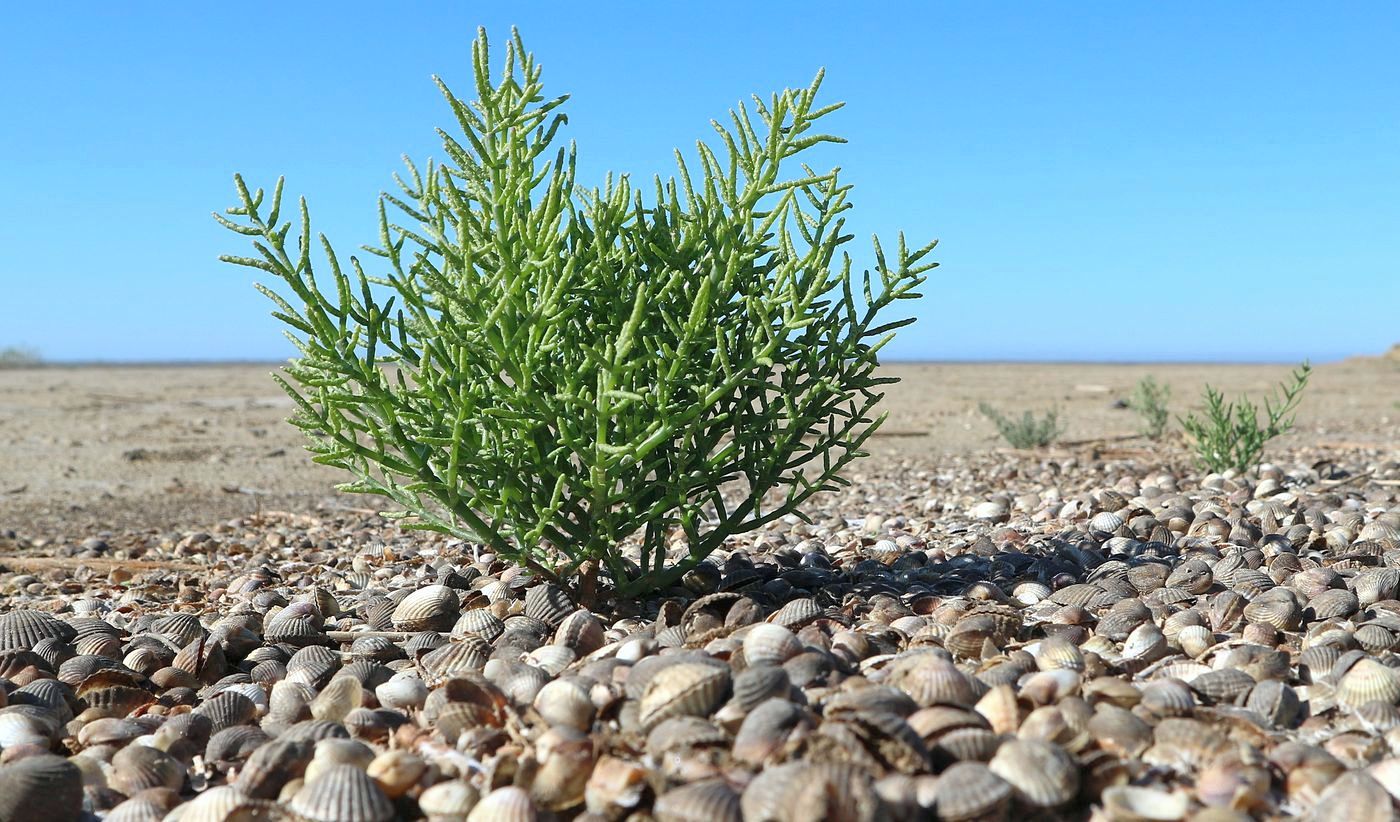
<point x="508" y="804"/>
<point x="396" y="772"/>
<point x="565" y="702"/>
<point x="1355" y="797"/>
<point x="376" y="648"/>
<point x="1136" y="804"/>
<point x="449" y="801"/>
<point x="1059" y="654"/>
<point x="1041" y="774"/>
<point x="706" y="801"/>
<point x="295" y="628"/>
<point x="970" y="790"/>
<point x="227" y="709"/>
<point x="796" y="613"/>
<point x="797" y="791"/>
<point x="403" y="691"/>
<point x="548" y="604"/>
<point x="1368" y="681"/>
<point x="430" y="608"/>
<point x="581" y="631"/>
<point x="930" y="679"/>
<point x="770" y="644"/>
<point x="768" y="728"/>
<point x="137" y="767"/>
<point x="342" y="793"/>
<point x="456" y="658"/>
<point x="23" y="629"/>
<point x="41" y="787"/>
<point x="615" y="787"/>
<point x="272" y="766"/>
<point x="683" y="689"/>
<point x="234" y="745"/>
<point x="479" y="621"/>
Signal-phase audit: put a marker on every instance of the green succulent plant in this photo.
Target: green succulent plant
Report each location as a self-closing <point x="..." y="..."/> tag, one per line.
<point x="1229" y="435"/>
<point x="619" y="377"/>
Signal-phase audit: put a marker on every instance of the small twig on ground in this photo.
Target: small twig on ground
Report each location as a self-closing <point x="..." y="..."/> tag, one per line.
<point x="351" y="636"/>
<point x="1337" y="483"/>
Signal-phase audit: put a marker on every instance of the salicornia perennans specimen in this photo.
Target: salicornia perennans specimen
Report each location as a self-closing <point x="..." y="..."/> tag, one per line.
<point x="1025" y="431"/>
<point x="1230" y="436"/>
<point x="1150" y="401"/>
<point x="551" y="370"/>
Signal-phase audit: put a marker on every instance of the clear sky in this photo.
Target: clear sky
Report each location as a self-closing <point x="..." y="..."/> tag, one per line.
<point x="1109" y="181"/>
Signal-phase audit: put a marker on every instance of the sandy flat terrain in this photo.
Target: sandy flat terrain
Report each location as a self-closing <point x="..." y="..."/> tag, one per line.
<point x="87" y="449"/>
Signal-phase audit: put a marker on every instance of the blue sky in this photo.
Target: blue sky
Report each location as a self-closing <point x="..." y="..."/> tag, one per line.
<point x="1109" y="181"/>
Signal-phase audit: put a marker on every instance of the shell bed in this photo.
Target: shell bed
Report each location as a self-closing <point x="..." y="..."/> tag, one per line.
<point x="1018" y="637"/>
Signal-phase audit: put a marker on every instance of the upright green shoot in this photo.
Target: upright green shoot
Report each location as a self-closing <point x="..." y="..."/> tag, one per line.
<point x="1150" y="402"/>
<point x="1230" y="435"/>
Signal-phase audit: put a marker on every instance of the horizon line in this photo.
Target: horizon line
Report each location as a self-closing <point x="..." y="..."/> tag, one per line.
<point x="232" y="362"/>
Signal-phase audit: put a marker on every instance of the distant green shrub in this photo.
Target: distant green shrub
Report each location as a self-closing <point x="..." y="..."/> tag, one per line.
<point x="1150" y="402"/>
<point x="1229" y="434"/>
<point x="18" y="356"/>
<point x="1026" y="431"/>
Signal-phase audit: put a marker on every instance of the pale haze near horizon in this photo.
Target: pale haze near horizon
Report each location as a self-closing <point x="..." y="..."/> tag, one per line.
<point x="1107" y="182"/>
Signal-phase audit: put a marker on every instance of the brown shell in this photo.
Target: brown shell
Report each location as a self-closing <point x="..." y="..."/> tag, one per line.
<point x="1224" y="685"/>
<point x="970" y="790"/>
<point x="683" y="689"/>
<point x="79" y="668"/>
<point x="23" y="629"/>
<point x="1167" y="697"/>
<point x="479" y="621"/>
<point x="376" y="648"/>
<point x="341" y="696"/>
<point x="234" y="745"/>
<point x="1281" y="612"/>
<point x="1354" y="797"/>
<point x="272" y="766"/>
<point x="295" y="628"/>
<point x="929" y="679"/>
<point x="508" y="804"/>
<point x="430" y="608"/>
<point x="1368" y="681"/>
<point x="1194" y="576"/>
<point x="1057" y="653"/>
<point x="1335" y="602"/>
<point x="770" y="644"/>
<point x="138" y="767"/>
<point x="549" y="604"/>
<point x="797" y="613"/>
<point x="228" y="709"/>
<point x="181" y="629"/>
<point x="452" y="659"/>
<point x="580" y="631"/>
<point x="758" y="683"/>
<point x="565" y="702"/>
<point x="40" y="787"/>
<point x="1041" y="774"/>
<point x="767" y="729"/>
<point x="342" y="793"/>
<point x="799" y="791"/>
<point x="453" y="799"/>
<point x="706" y="801"/>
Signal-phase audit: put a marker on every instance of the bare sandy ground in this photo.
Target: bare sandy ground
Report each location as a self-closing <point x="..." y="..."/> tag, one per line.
<point x="89" y="449"/>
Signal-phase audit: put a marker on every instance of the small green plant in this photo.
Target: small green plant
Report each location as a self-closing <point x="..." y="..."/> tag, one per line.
<point x="1150" y="401"/>
<point x="1025" y="431"/>
<point x="552" y="370"/>
<point x="18" y="356"/>
<point x="1230" y="435"/>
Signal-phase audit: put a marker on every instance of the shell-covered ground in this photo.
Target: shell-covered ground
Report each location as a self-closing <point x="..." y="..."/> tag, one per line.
<point x="1098" y="631"/>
